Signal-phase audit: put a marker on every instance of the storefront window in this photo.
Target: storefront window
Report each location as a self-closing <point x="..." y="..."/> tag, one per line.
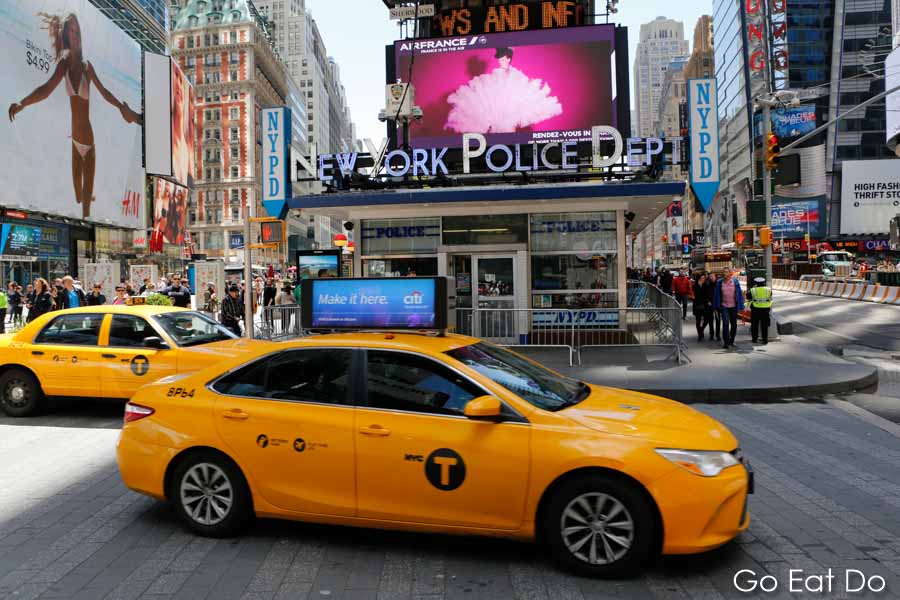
<point x="574" y="260"/>
<point x="381" y="237"/>
<point x="485" y="229"/>
<point x="401" y="267"/>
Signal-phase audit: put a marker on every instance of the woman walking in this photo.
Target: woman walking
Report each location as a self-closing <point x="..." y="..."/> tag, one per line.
<point x="43" y="301"/>
<point x="715" y="317"/>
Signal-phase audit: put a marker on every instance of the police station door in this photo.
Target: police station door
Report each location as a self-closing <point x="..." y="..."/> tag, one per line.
<point x="494" y="286"/>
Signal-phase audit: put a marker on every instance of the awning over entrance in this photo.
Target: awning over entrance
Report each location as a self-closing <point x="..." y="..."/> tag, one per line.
<point x="640" y="198"/>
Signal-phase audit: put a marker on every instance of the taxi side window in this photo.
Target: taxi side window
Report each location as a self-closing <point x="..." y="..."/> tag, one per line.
<point x="128" y="331"/>
<point x="72" y="330"/>
<point x="399" y="381"/>
<point x="315" y="375"/>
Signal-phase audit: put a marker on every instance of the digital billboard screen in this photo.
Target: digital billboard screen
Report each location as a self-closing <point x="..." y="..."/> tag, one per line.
<point x="19" y="240"/>
<point x="169" y="215"/>
<point x="70" y="82"/>
<point x="386" y="303"/>
<point x="318" y="263"/>
<point x="795" y="218"/>
<point x="516" y="88"/>
<point x="169" y="120"/>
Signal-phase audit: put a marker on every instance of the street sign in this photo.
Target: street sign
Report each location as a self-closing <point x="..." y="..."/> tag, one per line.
<point x="703" y="117"/>
<point x="400" y="13"/>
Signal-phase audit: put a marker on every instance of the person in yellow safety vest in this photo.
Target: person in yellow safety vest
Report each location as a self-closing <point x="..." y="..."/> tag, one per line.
<point x="760" y="296"/>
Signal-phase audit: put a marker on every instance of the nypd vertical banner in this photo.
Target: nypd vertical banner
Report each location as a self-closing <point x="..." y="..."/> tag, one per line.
<point x="276" y="160"/>
<point x="703" y="117"/>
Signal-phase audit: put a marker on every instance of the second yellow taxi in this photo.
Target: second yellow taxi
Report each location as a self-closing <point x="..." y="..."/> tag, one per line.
<point x="441" y="434"/>
<point x="106" y="352"/>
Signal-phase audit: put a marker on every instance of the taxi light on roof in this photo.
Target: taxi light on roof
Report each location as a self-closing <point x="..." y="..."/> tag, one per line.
<point x="135" y="301"/>
<point x="408" y="303"/>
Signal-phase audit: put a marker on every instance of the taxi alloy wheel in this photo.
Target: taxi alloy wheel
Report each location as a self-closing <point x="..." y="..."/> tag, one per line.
<point x="206" y="494"/>
<point x="20" y="393"/>
<point x="597" y="528"/>
<point x="210" y="494"/>
<point x="600" y="525"/>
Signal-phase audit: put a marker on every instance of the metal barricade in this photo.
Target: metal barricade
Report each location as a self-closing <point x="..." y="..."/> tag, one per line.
<point x="275" y="323"/>
<point x="521" y="327"/>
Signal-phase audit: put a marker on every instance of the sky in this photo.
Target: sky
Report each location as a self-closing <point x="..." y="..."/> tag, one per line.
<point x="357" y="42"/>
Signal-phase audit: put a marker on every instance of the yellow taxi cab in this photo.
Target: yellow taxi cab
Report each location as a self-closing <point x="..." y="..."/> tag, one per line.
<point x="106" y="352"/>
<point x="440" y="434"/>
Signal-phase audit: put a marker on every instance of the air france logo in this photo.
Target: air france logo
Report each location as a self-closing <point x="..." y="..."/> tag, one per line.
<point x="414" y="299"/>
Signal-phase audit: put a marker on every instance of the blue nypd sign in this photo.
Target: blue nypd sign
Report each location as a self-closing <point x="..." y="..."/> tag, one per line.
<point x="276" y="160"/>
<point x="703" y="117"/>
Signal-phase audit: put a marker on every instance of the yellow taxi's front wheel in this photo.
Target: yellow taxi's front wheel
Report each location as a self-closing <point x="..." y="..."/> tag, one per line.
<point x="20" y="393"/>
<point x="210" y="494"/>
<point x="600" y="526"/>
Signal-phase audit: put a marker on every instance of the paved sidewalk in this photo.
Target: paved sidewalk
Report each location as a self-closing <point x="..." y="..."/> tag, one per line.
<point x="788" y="367"/>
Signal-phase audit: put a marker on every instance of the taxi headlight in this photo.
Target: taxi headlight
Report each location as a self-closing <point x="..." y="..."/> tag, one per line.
<point x="699" y="462"/>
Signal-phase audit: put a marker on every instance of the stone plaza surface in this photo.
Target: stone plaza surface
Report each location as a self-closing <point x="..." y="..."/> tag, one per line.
<point x="828" y="496"/>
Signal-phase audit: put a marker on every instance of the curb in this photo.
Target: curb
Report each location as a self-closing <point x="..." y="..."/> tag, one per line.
<point x="733" y="396"/>
<point x="867" y="416"/>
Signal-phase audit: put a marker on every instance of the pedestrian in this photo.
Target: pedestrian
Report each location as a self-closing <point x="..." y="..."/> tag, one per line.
<point x="72" y="296"/>
<point x="150" y="289"/>
<point x="702" y="309"/>
<point x="147" y="283"/>
<point x="120" y="298"/>
<point x="179" y="293"/>
<point x="42" y="302"/>
<point x="4" y="303"/>
<point x="715" y="323"/>
<point x="29" y="297"/>
<point x="232" y="311"/>
<point x="14" y="294"/>
<point x="729" y="301"/>
<point x="57" y="293"/>
<point x="665" y="281"/>
<point x="682" y="287"/>
<point x="760" y="296"/>
<point x="96" y="297"/>
<point x="268" y="299"/>
<point x="210" y="299"/>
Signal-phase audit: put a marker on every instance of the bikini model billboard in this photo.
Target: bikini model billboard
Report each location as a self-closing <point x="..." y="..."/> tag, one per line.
<point x="71" y="81"/>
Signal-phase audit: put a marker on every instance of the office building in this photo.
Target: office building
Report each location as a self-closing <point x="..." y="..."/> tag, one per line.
<point x="661" y="41"/>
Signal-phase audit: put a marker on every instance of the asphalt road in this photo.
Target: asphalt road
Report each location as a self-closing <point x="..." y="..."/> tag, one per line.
<point x="836" y="322"/>
<point x="828" y="496"/>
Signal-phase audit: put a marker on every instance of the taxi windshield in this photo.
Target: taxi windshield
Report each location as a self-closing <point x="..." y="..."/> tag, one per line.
<point x="530" y="381"/>
<point x="192" y="329"/>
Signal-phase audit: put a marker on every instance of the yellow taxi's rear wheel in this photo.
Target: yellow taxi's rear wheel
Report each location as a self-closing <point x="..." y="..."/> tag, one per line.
<point x="210" y="494"/>
<point x="600" y="526"/>
<point x="20" y="393"/>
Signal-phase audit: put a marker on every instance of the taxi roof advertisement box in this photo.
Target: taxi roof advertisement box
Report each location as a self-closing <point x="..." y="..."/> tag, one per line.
<point x="413" y="303"/>
<point x="870" y="196"/>
<point x="72" y="81"/>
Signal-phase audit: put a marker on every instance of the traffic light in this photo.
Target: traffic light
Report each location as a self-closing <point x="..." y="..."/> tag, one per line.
<point x="773" y="149"/>
<point x="745" y="237"/>
<point x="272" y="232"/>
<point x="765" y="236"/>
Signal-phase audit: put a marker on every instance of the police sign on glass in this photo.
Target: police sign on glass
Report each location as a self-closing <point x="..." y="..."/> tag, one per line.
<point x="704" y="124"/>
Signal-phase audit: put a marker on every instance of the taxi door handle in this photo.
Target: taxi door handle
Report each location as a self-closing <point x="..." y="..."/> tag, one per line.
<point x="236" y="414"/>
<point x="108" y="355"/>
<point x="37" y="353"/>
<point x="375" y="430"/>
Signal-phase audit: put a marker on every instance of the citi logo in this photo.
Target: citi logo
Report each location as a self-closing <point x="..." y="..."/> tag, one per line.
<point x="416" y="298"/>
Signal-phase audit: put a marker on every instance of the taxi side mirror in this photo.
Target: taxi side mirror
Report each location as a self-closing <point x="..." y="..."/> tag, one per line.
<point x="155" y="342"/>
<point x="483" y="408"/>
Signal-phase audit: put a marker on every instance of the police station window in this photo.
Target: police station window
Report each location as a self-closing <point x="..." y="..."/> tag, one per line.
<point x="399" y="381"/>
<point x="485" y="229"/>
<point x="127" y="331"/>
<point x="574" y="259"/>
<point x="382" y="237"/>
<point x="321" y="376"/>
<point x="72" y="330"/>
